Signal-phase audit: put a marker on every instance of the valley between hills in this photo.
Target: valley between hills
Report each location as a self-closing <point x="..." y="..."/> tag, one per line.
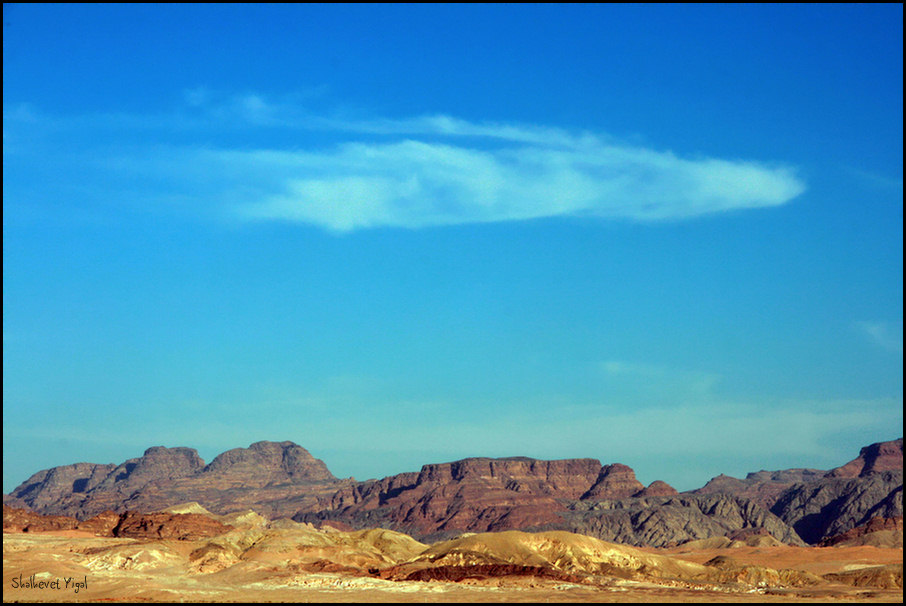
<point x="271" y="523"/>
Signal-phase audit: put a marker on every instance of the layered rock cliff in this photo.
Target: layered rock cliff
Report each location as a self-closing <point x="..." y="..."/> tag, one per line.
<point x="470" y="495"/>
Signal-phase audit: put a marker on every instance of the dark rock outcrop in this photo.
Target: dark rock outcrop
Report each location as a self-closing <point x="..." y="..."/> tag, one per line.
<point x="763" y="487"/>
<point x="665" y="521"/>
<point x="832" y="506"/>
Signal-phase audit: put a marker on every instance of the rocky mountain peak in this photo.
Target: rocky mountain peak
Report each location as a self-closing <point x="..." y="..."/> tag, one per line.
<point x="271" y="461"/>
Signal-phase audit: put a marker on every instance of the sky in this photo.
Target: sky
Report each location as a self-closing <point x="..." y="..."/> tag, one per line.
<point x="665" y="236"/>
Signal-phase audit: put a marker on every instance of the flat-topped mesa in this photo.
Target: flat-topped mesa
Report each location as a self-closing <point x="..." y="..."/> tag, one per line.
<point x="270" y="462"/>
<point x="614" y="481"/>
<point x="564" y="478"/>
<point x="875" y="458"/>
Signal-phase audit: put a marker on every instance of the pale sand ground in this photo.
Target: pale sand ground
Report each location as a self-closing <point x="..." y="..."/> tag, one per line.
<point x="159" y="575"/>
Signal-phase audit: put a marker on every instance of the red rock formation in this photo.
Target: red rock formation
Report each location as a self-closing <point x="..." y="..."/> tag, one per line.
<point x="614" y="481"/>
<point x="108" y="524"/>
<point x="181" y="526"/>
<point x="657" y="489"/>
<point x="470" y="495"/>
<point x="878" y="457"/>
<point x="22" y="520"/>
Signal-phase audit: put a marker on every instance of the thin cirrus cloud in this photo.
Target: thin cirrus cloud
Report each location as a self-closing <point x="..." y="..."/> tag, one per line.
<point x="887" y="335"/>
<point x="428" y="170"/>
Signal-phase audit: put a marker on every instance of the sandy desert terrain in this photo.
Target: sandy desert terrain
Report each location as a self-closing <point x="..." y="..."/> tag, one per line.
<point x="263" y="561"/>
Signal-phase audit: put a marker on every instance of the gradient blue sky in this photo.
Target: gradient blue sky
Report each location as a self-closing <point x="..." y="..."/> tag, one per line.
<point x="667" y="236"/>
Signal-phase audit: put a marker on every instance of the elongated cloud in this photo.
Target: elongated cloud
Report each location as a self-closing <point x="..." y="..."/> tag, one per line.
<point x="524" y="173"/>
<point x="416" y="172"/>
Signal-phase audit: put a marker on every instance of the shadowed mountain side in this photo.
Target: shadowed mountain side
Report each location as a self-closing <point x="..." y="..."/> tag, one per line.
<point x="763" y="487"/>
<point x="832" y="506"/>
<point x="653" y="521"/>
<point x="663" y="521"/>
<point x="878" y="532"/>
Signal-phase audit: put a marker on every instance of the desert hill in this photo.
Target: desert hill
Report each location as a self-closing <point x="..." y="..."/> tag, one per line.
<point x="284" y="560"/>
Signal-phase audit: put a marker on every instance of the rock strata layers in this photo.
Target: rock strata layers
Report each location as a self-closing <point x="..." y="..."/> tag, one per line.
<point x="470" y="495"/>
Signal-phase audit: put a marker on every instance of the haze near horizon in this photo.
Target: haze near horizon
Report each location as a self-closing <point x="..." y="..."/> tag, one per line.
<point x="669" y="237"/>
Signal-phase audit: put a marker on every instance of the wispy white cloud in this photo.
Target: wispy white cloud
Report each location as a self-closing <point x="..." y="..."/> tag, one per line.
<point x="887" y="335"/>
<point x="441" y="170"/>
<point x="414" y="183"/>
<point x="425" y="170"/>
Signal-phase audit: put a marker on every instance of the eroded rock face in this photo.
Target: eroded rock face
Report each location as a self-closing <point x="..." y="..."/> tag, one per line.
<point x="763" y="487"/>
<point x="832" y="506"/>
<point x="665" y="521"/>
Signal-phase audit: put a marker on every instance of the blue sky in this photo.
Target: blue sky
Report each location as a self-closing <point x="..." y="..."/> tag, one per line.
<point x="670" y="237"/>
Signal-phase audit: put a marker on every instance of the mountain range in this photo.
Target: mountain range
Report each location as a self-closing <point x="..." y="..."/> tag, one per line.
<point x="446" y="500"/>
